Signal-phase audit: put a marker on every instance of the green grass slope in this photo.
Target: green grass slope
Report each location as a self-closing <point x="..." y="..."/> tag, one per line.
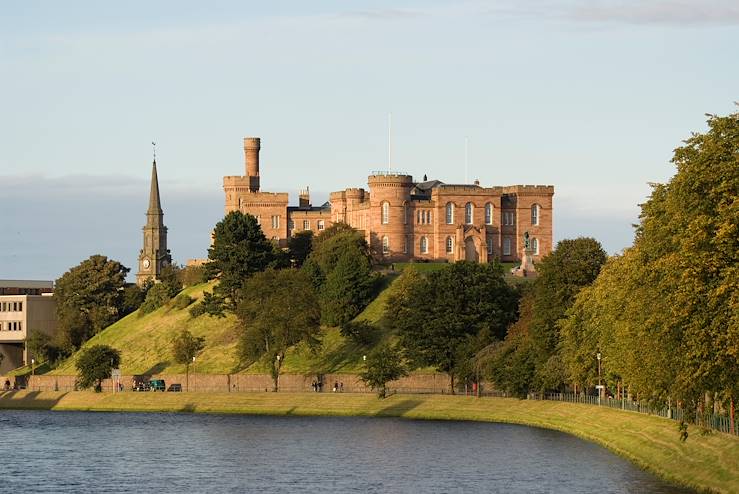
<point x="145" y="342"/>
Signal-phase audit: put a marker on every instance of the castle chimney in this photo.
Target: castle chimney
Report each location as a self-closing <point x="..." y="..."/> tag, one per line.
<point x="304" y="198"/>
<point x="251" y="156"/>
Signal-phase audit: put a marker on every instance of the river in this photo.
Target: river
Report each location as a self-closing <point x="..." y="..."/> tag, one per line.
<point x="55" y="452"/>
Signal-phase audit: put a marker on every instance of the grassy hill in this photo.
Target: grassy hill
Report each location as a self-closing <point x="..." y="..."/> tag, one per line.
<point x="145" y="342"/>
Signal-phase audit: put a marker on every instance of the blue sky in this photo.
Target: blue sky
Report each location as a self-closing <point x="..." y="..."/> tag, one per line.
<point x="590" y="96"/>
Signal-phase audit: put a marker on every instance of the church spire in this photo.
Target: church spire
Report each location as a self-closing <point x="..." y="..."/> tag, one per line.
<point x="155" y="205"/>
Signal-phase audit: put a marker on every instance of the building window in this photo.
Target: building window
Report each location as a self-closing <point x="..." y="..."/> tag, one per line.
<point x="259" y="220"/>
<point x="506" y="246"/>
<point x="535" y="214"/>
<point x="291" y="224"/>
<point x="418" y="217"/>
<point x="306" y="224"/>
<point x="385" y="245"/>
<point x="468" y="213"/>
<point x="535" y="246"/>
<point x="509" y="218"/>
<point x="321" y="225"/>
<point x="405" y="245"/>
<point x="490" y="244"/>
<point x="449" y="245"/>
<point x="424" y="245"/>
<point x="405" y="213"/>
<point x="450" y="213"/>
<point x="488" y="214"/>
<point x="275" y="222"/>
<point x="385" y="213"/>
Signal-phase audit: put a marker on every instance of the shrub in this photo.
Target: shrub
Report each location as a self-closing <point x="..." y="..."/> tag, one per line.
<point x="182" y="301"/>
<point x="158" y="295"/>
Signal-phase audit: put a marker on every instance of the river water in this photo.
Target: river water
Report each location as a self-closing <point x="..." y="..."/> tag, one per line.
<point x="59" y="452"/>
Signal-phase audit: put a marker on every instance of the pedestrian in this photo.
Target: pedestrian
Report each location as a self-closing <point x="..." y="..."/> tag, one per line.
<point x="341" y="387"/>
<point x="7" y="384"/>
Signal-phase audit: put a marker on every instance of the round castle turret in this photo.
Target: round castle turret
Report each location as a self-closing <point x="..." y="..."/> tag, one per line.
<point x="390" y="191"/>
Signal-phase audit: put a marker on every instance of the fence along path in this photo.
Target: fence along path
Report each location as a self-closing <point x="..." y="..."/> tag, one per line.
<point x="721" y="423"/>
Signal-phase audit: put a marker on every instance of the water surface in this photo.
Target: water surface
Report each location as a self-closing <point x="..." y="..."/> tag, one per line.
<point x="85" y="452"/>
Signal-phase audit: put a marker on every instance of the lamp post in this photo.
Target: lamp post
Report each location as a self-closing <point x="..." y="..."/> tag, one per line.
<point x="277" y="372"/>
<point x="193" y="377"/>
<point x="33" y="366"/>
<point x="600" y="386"/>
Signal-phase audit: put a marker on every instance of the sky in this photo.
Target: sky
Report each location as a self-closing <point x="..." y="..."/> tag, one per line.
<point x="590" y="96"/>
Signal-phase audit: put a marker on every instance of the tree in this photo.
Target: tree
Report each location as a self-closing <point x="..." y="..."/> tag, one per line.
<point x="438" y="313"/>
<point x="239" y="250"/>
<point x="299" y="247"/>
<point x="347" y="290"/>
<point x="185" y="348"/>
<point x="133" y="297"/>
<point x="89" y="297"/>
<point x="41" y="346"/>
<point x="279" y="309"/>
<point x="156" y="297"/>
<point x="211" y="304"/>
<point x="384" y="364"/>
<point x="95" y="364"/>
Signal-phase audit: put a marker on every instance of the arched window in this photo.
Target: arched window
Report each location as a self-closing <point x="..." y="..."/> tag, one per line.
<point x="449" y="245"/>
<point x="468" y="213"/>
<point x="535" y="246"/>
<point x="385" y="245"/>
<point x="488" y="214"/>
<point x="385" y="213"/>
<point x="424" y="245"/>
<point x="535" y="214"/>
<point x="450" y="213"/>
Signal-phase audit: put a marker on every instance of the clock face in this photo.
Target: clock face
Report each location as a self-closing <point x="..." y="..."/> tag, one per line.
<point x="147" y="263"/>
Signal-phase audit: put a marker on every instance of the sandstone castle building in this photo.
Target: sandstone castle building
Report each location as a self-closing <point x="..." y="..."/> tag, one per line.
<point x="404" y="220"/>
<point x="154" y="256"/>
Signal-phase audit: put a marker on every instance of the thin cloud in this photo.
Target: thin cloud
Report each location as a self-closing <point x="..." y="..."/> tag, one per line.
<point x="667" y="12"/>
<point x="383" y="14"/>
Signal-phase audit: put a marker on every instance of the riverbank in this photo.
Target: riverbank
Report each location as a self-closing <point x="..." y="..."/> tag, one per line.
<point x="706" y="463"/>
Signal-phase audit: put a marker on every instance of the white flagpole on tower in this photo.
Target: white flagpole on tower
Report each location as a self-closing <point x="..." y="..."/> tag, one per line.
<point x="389" y="142"/>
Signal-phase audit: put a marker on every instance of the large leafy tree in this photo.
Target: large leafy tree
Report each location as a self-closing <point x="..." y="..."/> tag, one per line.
<point x="279" y="309"/>
<point x="299" y="247"/>
<point x="89" y="297"/>
<point x="185" y="348"/>
<point x="439" y="313"/>
<point x="384" y="364"/>
<point x="347" y="290"/>
<point x="239" y="250"/>
<point x="666" y="313"/>
<point x="95" y="364"/>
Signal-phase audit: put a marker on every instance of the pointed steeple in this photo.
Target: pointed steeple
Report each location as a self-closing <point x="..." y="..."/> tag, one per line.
<point x="155" y="205"/>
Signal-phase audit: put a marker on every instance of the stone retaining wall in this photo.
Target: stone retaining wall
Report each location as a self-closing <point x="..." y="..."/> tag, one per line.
<point x="415" y="383"/>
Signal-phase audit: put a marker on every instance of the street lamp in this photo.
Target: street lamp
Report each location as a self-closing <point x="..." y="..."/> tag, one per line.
<point x="600" y="386"/>
<point x="277" y="372"/>
<point x="193" y="376"/>
<point x="33" y="363"/>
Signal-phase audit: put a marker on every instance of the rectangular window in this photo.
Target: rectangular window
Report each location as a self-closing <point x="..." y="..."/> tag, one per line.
<point x="291" y="224"/>
<point x="275" y="222"/>
<point x="534" y="214"/>
<point x="509" y="218"/>
<point x="321" y="225"/>
<point x="405" y="245"/>
<point x="490" y="244"/>
<point x="507" y="246"/>
<point x="20" y="306"/>
<point x="306" y="225"/>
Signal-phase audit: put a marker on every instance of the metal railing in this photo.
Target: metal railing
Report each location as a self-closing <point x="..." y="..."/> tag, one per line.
<point x="721" y="423"/>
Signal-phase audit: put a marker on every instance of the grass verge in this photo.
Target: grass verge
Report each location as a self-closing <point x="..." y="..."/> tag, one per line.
<point x="706" y="463"/>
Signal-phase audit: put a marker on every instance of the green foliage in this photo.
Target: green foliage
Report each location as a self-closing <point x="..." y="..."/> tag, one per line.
<point x="384" y="364"/>
<point x="193" y="275"/>
<point x="157" y="297"/>
<point x="239" y="250"/>
<point x="299" y="247"/>
<point x="95" y="364"/>
<point x="361" y="332"/>
<point x="211" y="304"/>
<point x="186" y="347"/>
<point x="665" y="314"/>
<point x="89" y="297"/>
<point x="348" y="289"/>
<point x="279" y="309"/>
<point x="133" y="297"/>
<point x="437" y="314"/>
<point x="171" y="277"/>
<point x="42" y="347"/>
<point x="182" y="301"/>
<point x="334" y="243"/>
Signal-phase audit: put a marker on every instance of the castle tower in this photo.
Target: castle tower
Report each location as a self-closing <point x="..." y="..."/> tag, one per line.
<point x="251" y="157"/>
<point x="155" y="255"/>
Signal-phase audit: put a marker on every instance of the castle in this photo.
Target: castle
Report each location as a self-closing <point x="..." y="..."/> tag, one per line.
<point x="404" y="220"/>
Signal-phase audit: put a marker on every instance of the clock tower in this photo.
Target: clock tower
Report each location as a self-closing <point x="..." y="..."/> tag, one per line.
<point x="155" y="255"/>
